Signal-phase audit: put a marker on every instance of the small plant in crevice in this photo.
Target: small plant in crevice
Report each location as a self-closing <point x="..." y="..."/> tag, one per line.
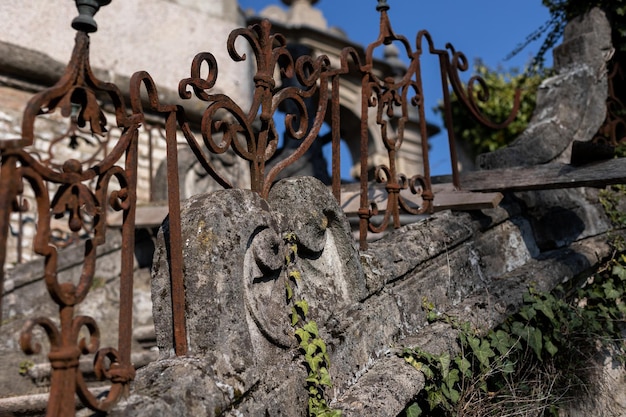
<point x="538" y="359"/>
<point x="25" y="366"/>
<point x="312" y="346"/>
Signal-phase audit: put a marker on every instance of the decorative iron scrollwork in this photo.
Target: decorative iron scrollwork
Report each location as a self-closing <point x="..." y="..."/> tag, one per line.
<point x="236" y="132"/>
<point x="80" y="192"/>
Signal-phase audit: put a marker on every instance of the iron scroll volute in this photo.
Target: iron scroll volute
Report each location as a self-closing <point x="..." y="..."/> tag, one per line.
<point x="87" y="9"/>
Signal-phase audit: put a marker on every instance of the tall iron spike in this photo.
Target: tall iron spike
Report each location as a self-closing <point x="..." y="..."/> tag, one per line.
<point x="87" y="9"/>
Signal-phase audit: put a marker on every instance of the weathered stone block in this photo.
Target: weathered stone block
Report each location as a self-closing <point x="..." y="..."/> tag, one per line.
<point x="570" y="105"/>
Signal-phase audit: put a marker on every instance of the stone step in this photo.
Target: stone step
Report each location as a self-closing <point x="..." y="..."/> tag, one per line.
<point x="40" y="373"/>
<point x="35" y="404"/>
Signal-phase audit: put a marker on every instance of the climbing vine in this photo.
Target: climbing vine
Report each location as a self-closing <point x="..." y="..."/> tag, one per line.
<point x="312" y="346"/>
<point x="537" y="359"/>
<point x="477" y="138"/>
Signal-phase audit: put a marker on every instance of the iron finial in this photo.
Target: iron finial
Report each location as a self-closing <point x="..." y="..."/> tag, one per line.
<point x="87" y="9"/>
<point x="382" y="6"/>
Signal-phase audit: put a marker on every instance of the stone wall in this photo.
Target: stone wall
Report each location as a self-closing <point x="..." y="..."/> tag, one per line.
<point x="570" y="105"/>
<point x="244" y="358"/>
<point x="160" y="36"/>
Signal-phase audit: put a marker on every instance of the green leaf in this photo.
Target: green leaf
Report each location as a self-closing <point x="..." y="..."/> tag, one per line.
<point x="304" y="336"/>
<point x="454" y="396"/>
<point x="445" y="393"/>
<point x="463" y="338"/>
<point x="610" y="292"/>
<point x="434" y="399"/>
<point x="310" y="349"/>
<point x="413" y="362"/>
<point x="519" y="330"/>
<point x="501" y="341"/>
<point x="529" y="297"/>
<point x="452" y="378"/>
<point x="325" y="377"/>
<point x="289" y="291"/>
<point x="508" y="367"/>
<point x="473" y="342"/>
<point x="482" y="385"/>
<point x="303" y="306"/>
<point x="485" y="353"/>
<point x="427" y="305"/>
<point x="544" y="308"/>
<point x="320" y="344"/>
<point x="312" y="380"/>
<point x="528" y="313"/>
<point x="311" y="327"/>
<point x="465" y="327"/>
<point x="444" y="364"/>
<point x="535" y="339"/>
<point x="550" y="348"/>
<point x="413" y="410"/>
<point x="295" y="275"/>
<point x="464" y="366"/>
<point x="432" y="316"/>
<point x="426" y="370"/>
<point x="482" y="350"/>
<point x="313" y="362"/>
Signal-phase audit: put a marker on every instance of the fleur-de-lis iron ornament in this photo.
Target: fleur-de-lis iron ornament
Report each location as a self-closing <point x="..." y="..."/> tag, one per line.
<point x="87" y="9"/>
<point x="77" y="192"/>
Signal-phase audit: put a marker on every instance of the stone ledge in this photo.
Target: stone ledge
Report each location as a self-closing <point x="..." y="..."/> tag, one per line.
<point x="36" y="71"/>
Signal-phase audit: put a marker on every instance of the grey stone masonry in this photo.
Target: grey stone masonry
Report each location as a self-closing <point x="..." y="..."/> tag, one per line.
<point x="244" y="357"/>
<point x="570" y="105"/>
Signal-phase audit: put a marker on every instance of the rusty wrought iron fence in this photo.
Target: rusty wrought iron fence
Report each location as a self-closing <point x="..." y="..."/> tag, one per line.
<point x="82" y="193"/>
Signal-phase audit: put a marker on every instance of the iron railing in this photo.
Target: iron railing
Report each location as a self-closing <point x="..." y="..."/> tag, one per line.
<point x="84" y="192"/>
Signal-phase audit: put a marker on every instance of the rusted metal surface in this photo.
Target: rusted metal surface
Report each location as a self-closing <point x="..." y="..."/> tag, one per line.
<point x="236" y="129"/>
<point x="387" y="94"/>
<point x="81" y="192"/>
<point x="172" y="114"/>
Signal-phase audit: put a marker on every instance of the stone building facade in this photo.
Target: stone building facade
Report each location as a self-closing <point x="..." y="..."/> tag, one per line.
<point x="162" y="37"/>
<point x="158" y="36"/>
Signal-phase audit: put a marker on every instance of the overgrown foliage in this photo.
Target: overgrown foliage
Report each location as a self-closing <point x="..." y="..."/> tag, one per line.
<point x="539" y="358"/>
<point x="502" y="85"/>
<point x="479" y="139"/>
<point x="312" y="346"/>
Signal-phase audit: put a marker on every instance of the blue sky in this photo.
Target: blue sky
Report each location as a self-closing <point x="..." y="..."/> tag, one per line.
<point x="485" y="29"/>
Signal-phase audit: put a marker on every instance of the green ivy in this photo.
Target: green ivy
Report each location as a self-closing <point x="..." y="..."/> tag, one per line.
<point x="502" y="86"/>
<point x="610" y="200"/>
<point x="540" y="353"/>
<point x="312" y="345"/>
<point x="25" y="366"/>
